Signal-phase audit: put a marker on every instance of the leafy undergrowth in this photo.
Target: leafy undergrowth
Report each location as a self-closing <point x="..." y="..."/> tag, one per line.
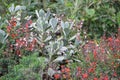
<point x="49" y="48"/>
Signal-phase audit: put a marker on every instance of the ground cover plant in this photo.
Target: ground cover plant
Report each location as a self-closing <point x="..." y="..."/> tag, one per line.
<point x="56" y="44"/>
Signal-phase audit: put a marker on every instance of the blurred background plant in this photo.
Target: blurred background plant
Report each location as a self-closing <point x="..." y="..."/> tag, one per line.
<point x="30" y="68"/>
<point x="100" y="16"/>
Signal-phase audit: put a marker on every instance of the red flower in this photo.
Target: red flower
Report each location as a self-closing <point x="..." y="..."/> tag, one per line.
<point x="78" y="71"/>
<point x="115" y="74"/>
<point x="91" y="70"/>
<point x="26" y="25"/>
<point x="95" y="79"/>
<point x="85" y="75"/>
<point x="9" y="29"/>
<point x="57" y="76"/>
<point x="30" y="21"/>
<point x="66" y="76"/>
<point x="110" y="39"/>
<point x="78" y="68"/>
<point x="13" y="22"/>
<point x="67" y="69"/>
<point x="94" y="53"/>
<point x="13" y="35"/>
<point x="93" y="64"/>
<point x="62" y="66"/>
<point x="18" y="52"/>
<point x="105" y="78"/>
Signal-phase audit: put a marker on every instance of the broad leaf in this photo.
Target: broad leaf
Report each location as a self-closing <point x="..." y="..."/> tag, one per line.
<point x="51" y="72"/>
<point x="53" y="22"/>
<point x="41" y="13"/>
<point x="11" y="9"/>
<point x="63" y="49"/>
<point x="2" y="36"/>
<point x="48" y="38"/>
<point x="20" y="8"/>
<point x="66" y="25"/>
<point x="59" y="59"/>
<point x="47" y="15"/>
<point x="62" y="24"/>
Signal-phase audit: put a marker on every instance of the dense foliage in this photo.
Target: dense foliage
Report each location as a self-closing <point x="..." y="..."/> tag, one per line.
<point x="60" y="40"/>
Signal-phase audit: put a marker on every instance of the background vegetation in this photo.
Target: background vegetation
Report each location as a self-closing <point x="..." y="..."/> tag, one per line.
<point x="99" y="16"/>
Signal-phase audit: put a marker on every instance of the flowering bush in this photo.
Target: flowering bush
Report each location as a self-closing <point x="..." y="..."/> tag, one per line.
<point x="50" y="48"/>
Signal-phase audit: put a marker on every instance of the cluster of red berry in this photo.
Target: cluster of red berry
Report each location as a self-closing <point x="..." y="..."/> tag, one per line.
<point x="20" y="34"/>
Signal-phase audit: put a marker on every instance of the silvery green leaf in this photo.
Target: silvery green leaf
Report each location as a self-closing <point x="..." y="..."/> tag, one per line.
<point x="2" y="36"/>
<point x="2" y="32"/>
<point x="71" y="52"/>
<point x="77" y="42"/>
<point x="59" y="53"/>
<point x="60" y="38"/>
<point x="71" y="46"/>
<point x="40" y="24"/>
<point x="66" y="25"/>
<point x="20" y="8"/>
<point x="0" y="17"/>
<point x="62" y="24"/>
<point x="72" y="24"/>
<point x="51" y="72"/>
<point x="63" y="49"/>
<point x="67" y="31"/>
<point x="41" y="13"/>
<point x="5" y="38"/>
<point x="53" y="22"/>
<point x="76" y="60"/>
<point x="39" y="40"/>
<point x="62" y="1"/>
<point x="23" y="7"/>
<point x="11" y="9"/>
<point x="37" y="13"/>
<point x="59" y="59"/>
<point x="45" y="26"/>
<point x="55" y="46"/>
<point x="73" y="37"/>
<point x="48" y="38"/>
<point x="46" y="60"/>
<point x="118" y="60"/>
<point x="47" y="14"/>
<point x="64" y="33"/>
<point x="28" y="17"/>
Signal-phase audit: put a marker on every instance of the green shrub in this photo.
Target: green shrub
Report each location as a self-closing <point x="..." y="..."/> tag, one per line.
<point x="30" y="68"/>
